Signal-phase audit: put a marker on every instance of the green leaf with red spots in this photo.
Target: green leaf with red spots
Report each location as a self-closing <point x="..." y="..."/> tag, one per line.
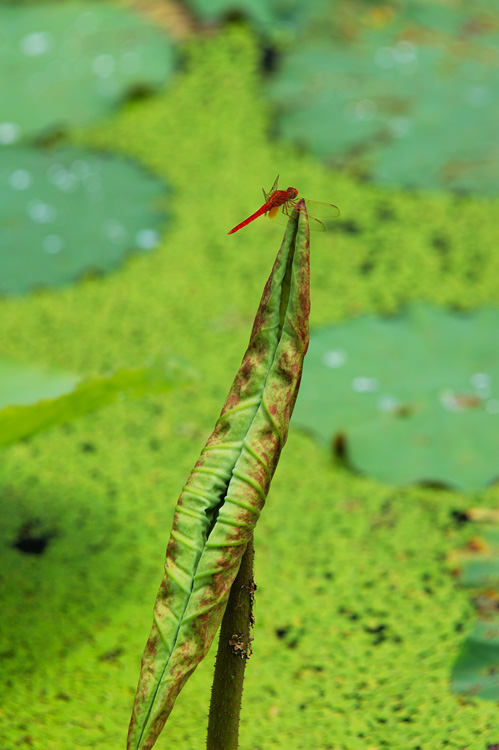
<point x="222" y="500"/>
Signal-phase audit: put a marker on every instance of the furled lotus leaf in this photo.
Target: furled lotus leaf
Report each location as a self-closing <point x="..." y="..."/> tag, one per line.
<point x="222" y="499"/>
<point x="64" y="64"/>
<point x="412" y="398"/>
<point x="67" y="211"/>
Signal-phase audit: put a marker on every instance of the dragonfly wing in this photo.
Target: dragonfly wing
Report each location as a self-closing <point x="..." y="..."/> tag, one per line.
<point x="272" y="189"/>
<point x="315" y="225"/>
<point x="281" y="214"/>
<point x="324" y="210"/>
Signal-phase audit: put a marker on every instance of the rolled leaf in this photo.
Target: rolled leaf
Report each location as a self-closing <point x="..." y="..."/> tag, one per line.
<point x="222" y="500"/>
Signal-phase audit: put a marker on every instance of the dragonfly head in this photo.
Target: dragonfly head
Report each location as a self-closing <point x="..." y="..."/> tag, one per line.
<point x="292" y="192"/>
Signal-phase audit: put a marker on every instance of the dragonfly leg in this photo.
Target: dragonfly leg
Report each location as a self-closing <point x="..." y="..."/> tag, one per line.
<point x="289" y="203"/>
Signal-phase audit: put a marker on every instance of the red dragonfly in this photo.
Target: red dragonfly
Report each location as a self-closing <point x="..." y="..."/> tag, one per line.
<point x="280" y="203"/>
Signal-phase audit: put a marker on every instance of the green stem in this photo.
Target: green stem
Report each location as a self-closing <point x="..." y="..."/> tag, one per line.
<point x="234" y="648"/>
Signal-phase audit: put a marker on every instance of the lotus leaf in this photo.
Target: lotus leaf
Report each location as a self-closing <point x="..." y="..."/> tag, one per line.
<point x="412" y="398"/>
<point x="25" y="384"/>
<point x="226" y="491"/>
<point x="69" y="63"/>
<point x="476" y="670"/>
<point x="33" y="399"/>
<point x="67" y="211"/>
<point x="277" y="18"/>
<point x="397" y="97"/>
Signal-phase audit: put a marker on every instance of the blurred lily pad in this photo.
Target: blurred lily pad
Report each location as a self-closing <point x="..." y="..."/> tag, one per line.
<point x="34" y="398"/>
<point x="408" y="98"/>
<point x="24" y="384"/>
<point x="68" y="211"/>
<point x="411" y="398"/>
<point x="259" y="12"/>
<point x="404" y="93"/>
<point x="478" y="565"/>
<point x="279" y="20"/>
<point x="67" y="64"/>
<point x="476" y="670"/>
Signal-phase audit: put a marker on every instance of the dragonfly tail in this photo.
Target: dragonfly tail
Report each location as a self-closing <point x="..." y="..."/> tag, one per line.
<point x="251" y="218"/>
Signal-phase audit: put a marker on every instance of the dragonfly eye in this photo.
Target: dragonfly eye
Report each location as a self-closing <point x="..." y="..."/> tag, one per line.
<point x="293" y="192"/>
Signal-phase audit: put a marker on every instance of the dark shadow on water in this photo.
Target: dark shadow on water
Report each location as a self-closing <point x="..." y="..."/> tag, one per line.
<point x="67" y="558"/>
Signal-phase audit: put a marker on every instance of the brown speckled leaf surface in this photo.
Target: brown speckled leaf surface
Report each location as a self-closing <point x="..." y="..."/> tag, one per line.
<point x="225" y="493"/>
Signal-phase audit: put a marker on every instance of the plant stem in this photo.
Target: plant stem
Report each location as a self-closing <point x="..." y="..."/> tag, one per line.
<point x="234" y="648"/>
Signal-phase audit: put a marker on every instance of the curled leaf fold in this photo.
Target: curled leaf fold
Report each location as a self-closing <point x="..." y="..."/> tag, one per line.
<point x="225" y="493"/>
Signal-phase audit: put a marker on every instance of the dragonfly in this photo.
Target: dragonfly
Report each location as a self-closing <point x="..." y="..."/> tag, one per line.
<point x="280" y="203"/>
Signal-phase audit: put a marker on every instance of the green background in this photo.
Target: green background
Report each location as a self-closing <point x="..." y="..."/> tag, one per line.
<point x="358" y="621"/>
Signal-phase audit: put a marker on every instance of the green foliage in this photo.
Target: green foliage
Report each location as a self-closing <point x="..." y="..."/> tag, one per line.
<point x="33" y="399"/>
<point x="392" y="96"/>
<point x="76" y="62"/>
<point x="67" y="211"/>
<point x="476" y="669"/>
<point x="412" y="396"/>
<point x="371" y="656"/>
<point x="225" y="493"/>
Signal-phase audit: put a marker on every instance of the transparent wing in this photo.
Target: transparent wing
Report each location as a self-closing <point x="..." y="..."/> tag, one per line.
<point x="323" y="210"/>
<point x="315" y="225"/>
<point x="272" y="189"/>
<point x="281" y="214"/>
